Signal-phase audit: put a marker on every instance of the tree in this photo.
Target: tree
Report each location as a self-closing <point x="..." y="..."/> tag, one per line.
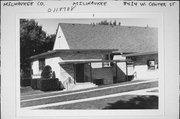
<point x="49" y="43"/>
<point x="119" y="23"/>
<point x="105" y="22"/>
<point x="33" y="41"/>
<point x="114" y="23"/>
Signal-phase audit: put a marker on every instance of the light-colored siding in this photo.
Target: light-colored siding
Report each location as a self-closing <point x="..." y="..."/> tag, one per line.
<point x="122" y="65"/>
<point x="121" y="68"/>
<point x="60" y="42"/>
<point x="53" y="62"/>
<point x="141" y="68"/>
<point x="35" y="69"/>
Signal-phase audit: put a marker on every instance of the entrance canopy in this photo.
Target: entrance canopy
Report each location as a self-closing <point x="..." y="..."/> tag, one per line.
<point x="88" y="61"/>
<point x="77" y="63"/>
<point x="79" y="67"/>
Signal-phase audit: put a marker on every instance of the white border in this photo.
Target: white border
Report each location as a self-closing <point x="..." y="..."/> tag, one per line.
<point x="71" y="113"/>
<point x="171" y="53"/>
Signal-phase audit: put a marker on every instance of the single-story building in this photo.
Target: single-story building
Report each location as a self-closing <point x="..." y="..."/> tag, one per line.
<point x="102" y="54"/>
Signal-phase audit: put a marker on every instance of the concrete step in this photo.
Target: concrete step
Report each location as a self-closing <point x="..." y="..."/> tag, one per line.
<point x="84" y="85"/>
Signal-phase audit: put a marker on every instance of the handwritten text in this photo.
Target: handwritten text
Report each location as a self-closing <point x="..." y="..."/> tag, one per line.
<point x="18" y="4"/>
<point x="61" y="9"/>
<point x="90" y="3"/>
<point x="150" y="4"/>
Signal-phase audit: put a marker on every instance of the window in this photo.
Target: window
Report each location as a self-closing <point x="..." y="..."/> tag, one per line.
<point x="106" y="57"/>
<point x="151" y="64"/>
<point x="41" y="63"/>
<point x="130" y="61"/>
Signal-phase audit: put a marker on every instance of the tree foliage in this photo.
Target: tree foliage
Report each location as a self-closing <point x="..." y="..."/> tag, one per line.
<point x="33" y="41"/>
<point x="105" y="22"/>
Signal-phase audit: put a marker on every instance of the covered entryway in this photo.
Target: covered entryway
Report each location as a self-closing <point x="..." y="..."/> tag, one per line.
<point x="82" y="74"/>
<point x="79" y="72"/>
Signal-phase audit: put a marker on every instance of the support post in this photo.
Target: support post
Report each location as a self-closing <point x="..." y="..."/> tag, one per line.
<point x="74" y="65"/>
<point x="126" y="72"/>
<point x="116" y="72"/>
<point x="90" y="72"/>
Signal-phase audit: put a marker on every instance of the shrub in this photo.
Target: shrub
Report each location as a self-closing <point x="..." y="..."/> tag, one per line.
<point x="130" y="77"/>
<point x="34" y="83"/>
<point x="48" y="81"/>
<point x="25" y="81"/>
<point x="53" y="75"/>
<point x="50" y="84"/>
<point x="47" y="72"/>
<point x="38" y="83"/>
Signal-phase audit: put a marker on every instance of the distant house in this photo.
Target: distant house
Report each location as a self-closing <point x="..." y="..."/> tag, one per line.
<point x="102" y="54"/>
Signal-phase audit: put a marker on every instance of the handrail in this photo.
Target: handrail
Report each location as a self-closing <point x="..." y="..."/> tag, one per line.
<point x="69" y="83"/>
<point x="135" y="74"/>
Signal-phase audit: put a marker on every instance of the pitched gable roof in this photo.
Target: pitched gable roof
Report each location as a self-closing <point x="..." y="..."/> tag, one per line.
<point x="123" y="38"/>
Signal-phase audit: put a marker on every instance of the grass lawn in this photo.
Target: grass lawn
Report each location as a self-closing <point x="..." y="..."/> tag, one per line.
<point x="28" y="92"/>
<point x="120" y="102"/>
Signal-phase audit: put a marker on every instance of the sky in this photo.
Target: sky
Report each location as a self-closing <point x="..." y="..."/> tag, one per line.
<point x="50" y="25"/>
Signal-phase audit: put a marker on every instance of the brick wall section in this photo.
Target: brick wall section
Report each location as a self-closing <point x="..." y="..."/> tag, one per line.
<point x="97" y="73"/>
<point x="103" y="73"/>
<point x="67" y="71"/>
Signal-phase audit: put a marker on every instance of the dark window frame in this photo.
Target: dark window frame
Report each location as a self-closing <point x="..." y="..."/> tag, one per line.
<point x="41" y="63"/>
<point x="106" y="64"/>
<point x="151" y="64"/>
<point x="130" y="61"/>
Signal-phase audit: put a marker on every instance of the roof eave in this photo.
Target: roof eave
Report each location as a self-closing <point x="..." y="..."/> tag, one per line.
<point x="47" y="54"/>
<point x="140" y="54"/>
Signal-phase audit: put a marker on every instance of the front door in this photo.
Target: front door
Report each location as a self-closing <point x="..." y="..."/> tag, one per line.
<point x="79" y="72"/>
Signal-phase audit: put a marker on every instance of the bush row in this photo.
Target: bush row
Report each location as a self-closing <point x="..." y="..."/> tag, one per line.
<point x="25" y="82"/>
<point x="47" y="84"/>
